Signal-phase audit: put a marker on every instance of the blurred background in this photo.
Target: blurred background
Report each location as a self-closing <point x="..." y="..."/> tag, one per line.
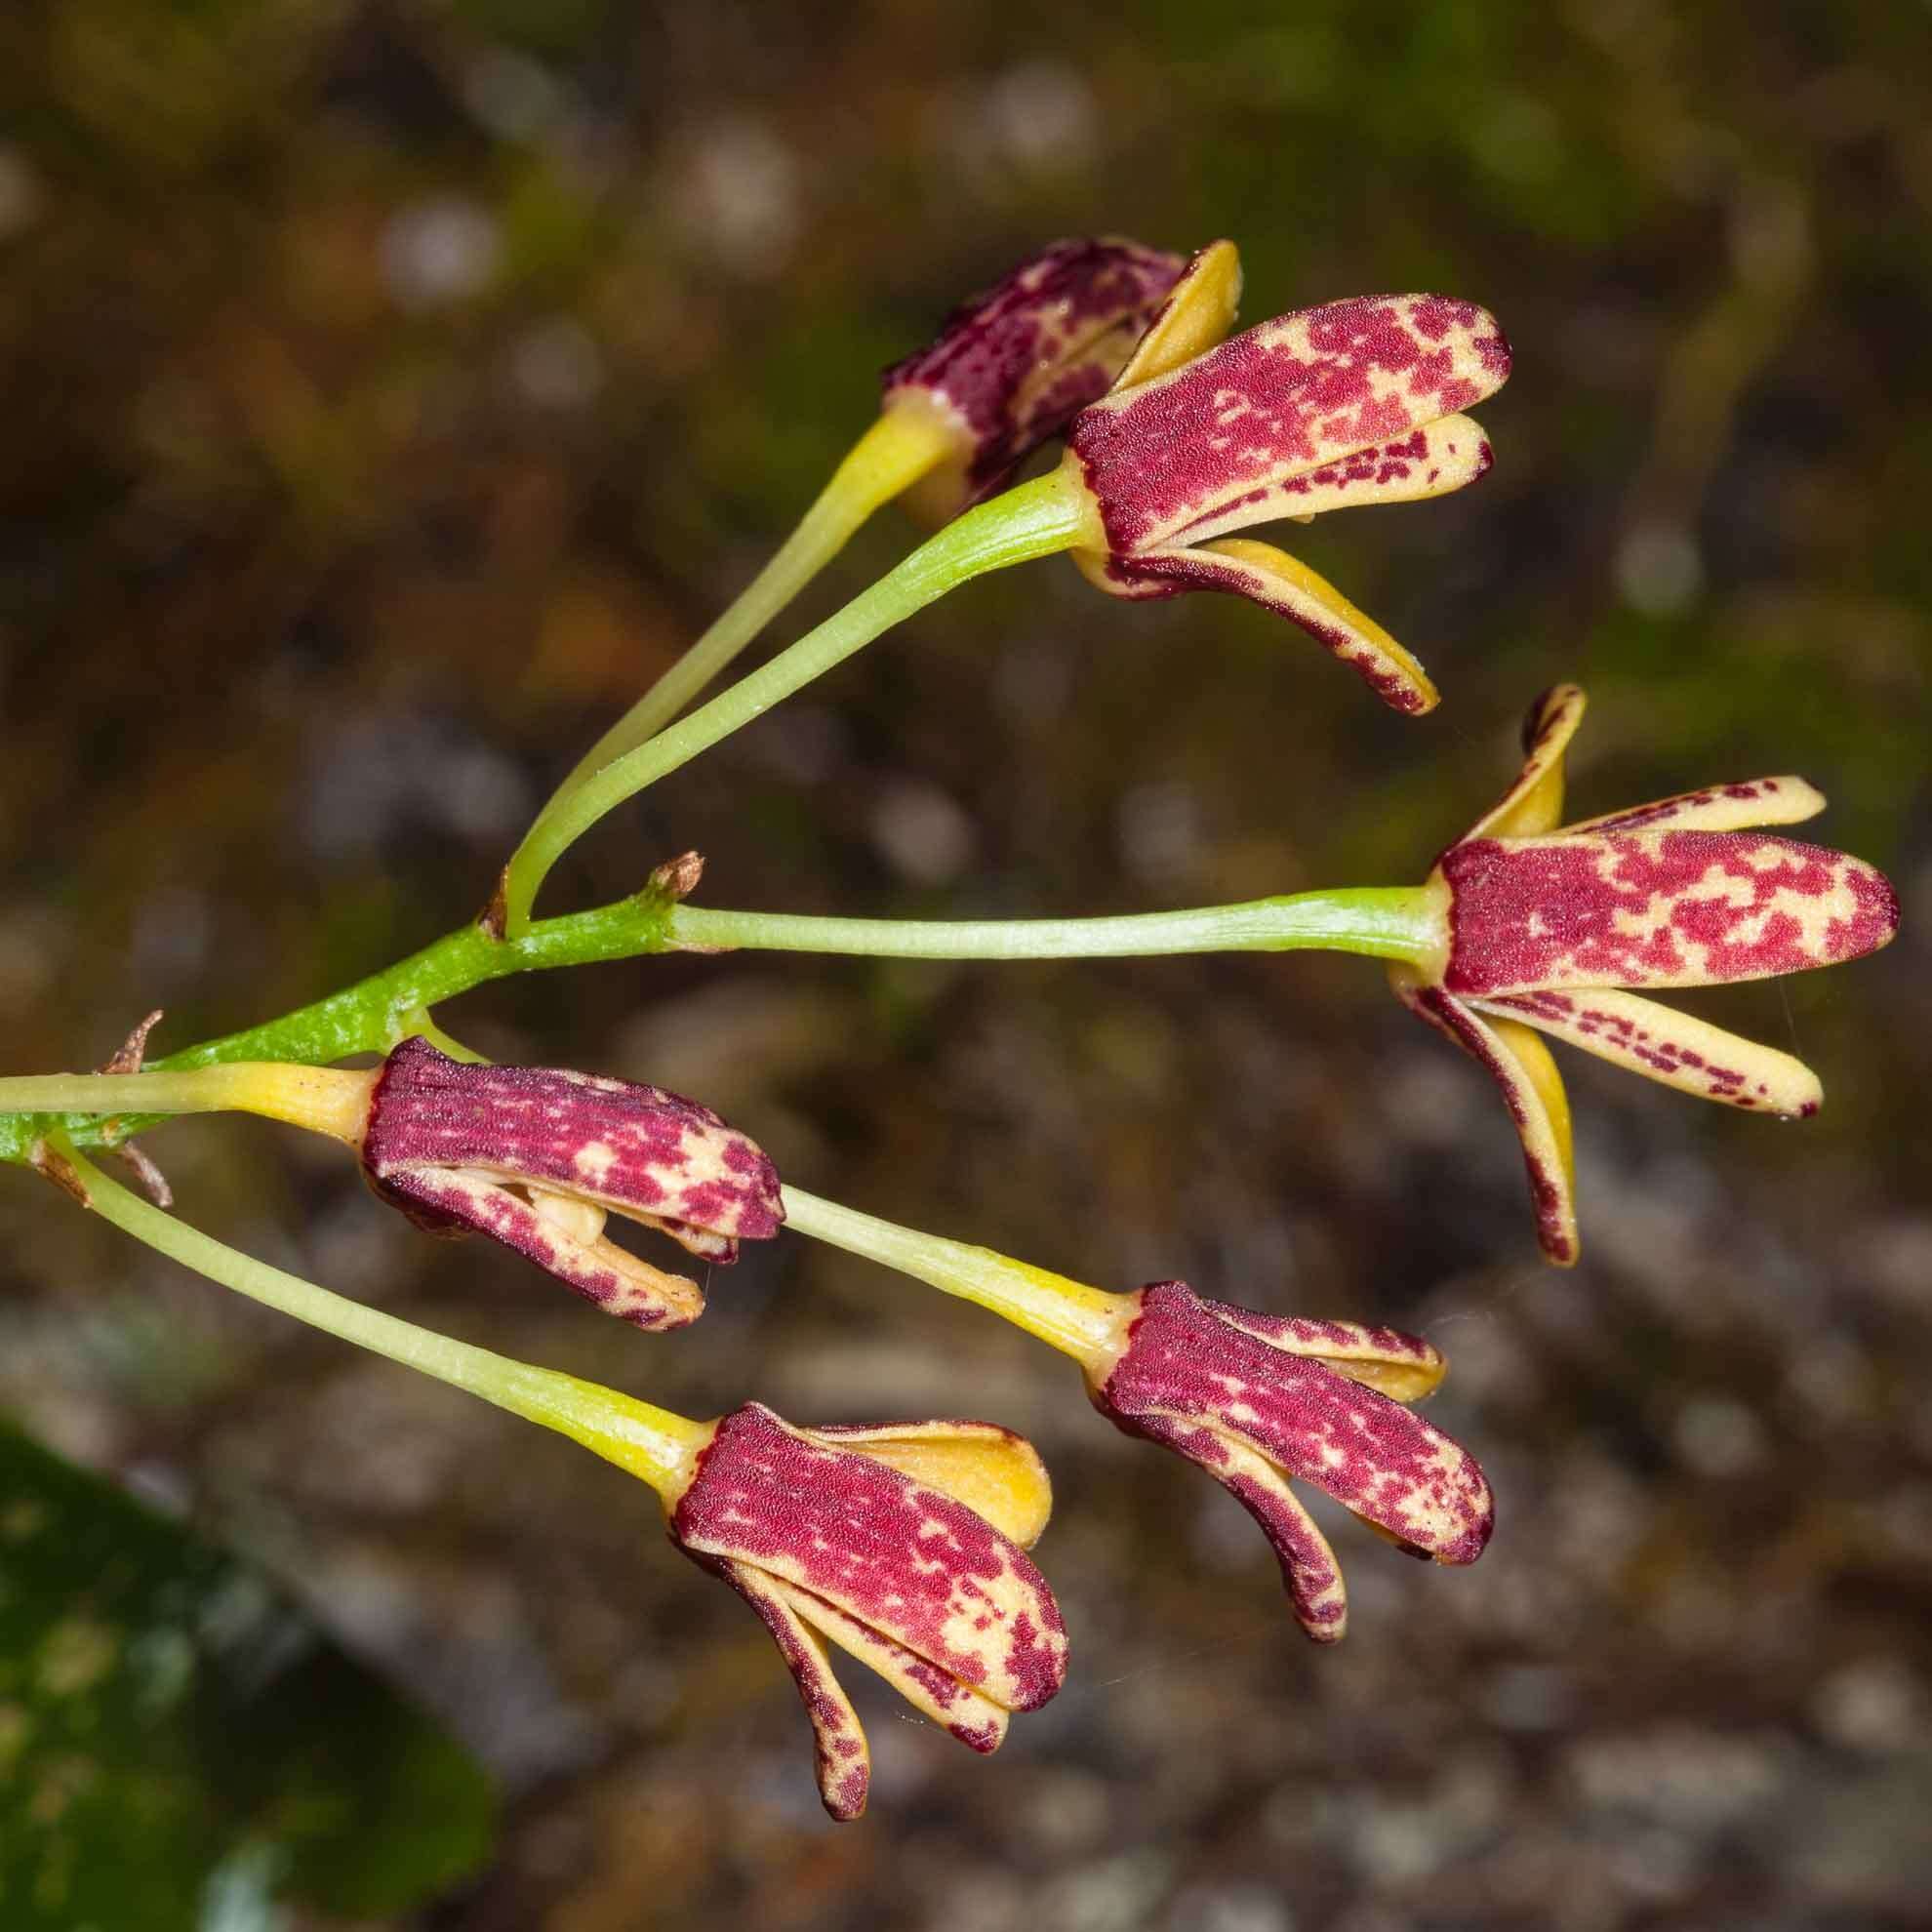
<point x="392" y="390"/>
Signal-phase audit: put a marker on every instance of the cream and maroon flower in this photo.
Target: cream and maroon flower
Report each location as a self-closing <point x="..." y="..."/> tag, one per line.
<point x="1262" y="1400"/>
<point x="1354" y="402"/>
<point x="900" y="1544"/>
<point x="1546" y="927"/>
<point x="536" y="1157"/>
<point x="1011" y="366"/>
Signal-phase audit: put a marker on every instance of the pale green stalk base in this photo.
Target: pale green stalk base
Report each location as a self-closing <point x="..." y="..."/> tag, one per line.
<point x="323" y="1101"/>
<point x="1392" y="922"/>
<point x="898" y="449"/>
<point x="650" y="1442"/>
<point x="1087" y="1323"/>
<point x="1033" y="520"/>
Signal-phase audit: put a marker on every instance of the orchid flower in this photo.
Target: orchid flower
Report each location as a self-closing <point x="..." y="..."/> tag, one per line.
<point x="901" y="1545"/>
<point x="1354" y="402"/>
<point x="1545" y="928"/>
<point x="1010" y="367"/>
<point x="536" y="1157"/>
<point x="1260" y="1402"/>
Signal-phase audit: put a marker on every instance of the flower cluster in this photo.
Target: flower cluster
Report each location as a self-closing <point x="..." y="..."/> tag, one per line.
<point x="905" y="1544"/>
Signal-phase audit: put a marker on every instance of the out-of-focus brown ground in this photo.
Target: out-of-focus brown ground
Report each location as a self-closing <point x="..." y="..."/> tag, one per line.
<point x="391" y="391"/>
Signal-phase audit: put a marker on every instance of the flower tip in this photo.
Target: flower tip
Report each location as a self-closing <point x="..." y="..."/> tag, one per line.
<point x="1549" y="709"/>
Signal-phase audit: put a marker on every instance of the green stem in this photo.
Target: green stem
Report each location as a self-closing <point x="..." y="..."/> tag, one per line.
<point x="1033" y="520"/>
<point x="1089" y="1324"/>
<point x="649" y="1441"/>
<point x="1395" y="923"/>
<point x="373" y="1013"/>
<point x="898" y="449"/>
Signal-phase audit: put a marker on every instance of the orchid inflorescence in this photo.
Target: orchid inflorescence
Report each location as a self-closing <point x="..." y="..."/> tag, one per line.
<point x="903" y="1543"/>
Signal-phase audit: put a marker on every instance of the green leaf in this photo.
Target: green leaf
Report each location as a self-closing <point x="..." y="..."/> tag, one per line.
<point x="178" y="1744"/>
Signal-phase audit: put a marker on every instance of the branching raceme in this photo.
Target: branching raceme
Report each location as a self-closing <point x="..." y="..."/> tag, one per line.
<point x="1177" y="436"/>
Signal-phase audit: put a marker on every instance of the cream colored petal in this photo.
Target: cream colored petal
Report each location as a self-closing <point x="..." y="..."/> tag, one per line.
<point x="546" y="1232"/>
<point x="1200" y="311"/>
<point x="1535" y="801"/>
<point x="970" y="1715"/>
<point x="1663" y="1045"/>
<point x="1533" y="1091"/>
<point x="1772" y="801"/>
<point x="1403" y="1367"/>
<point x="844" y="1761"/>
<point x="1429" y="462"/>
<point x="997" y="1474"/>
<point x="1287" y="586"/>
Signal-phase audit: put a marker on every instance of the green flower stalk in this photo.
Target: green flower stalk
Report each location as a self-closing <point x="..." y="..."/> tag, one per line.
<point x="1035" y="520"/>
<point x="1006" y="371"/>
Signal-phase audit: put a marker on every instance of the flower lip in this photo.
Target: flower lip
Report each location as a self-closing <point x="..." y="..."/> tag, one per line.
<point x="832" y="1543"/>
<point x="1011" y="366"/>
<point x="1258" y="1399"/>
<point x="534" y="1157"/>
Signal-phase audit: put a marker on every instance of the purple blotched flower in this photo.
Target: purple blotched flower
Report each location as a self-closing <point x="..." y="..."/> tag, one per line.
<point x="537" y="1156"/>
<point x="853" y="1537"/>
<point x="1259" y="1399"/>
<point x="1549" y="925"/>
<point x="1011" y="366"/>
<point x="1354" y="402"/>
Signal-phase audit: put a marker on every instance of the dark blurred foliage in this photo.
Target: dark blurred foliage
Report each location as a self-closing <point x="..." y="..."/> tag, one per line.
<point x="391" y="389"/>
<point x="178" y="1744"/>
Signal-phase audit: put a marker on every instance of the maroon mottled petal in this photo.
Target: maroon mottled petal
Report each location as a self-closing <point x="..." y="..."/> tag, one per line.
<point x="1681" y="1050"/>
<point x="1279" y="401"/>
<point x="1184" y="1362"/>
<point x="844" y="1763"/>
<point x="1013" y="365"/>
<point x="1310" y="1573"/>
<point x="1283" y="585"/>
<point x="1717" y="808"/>
<point x="625" y="1146"/>
<point x="1536" y="1105"/>
<point x="1430" y="460"/>
<point x="1655" y="908"/>
<point x="907" y="1559"/>
<point x="966" y="1713"/>
<point x="620" y="1283"/>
